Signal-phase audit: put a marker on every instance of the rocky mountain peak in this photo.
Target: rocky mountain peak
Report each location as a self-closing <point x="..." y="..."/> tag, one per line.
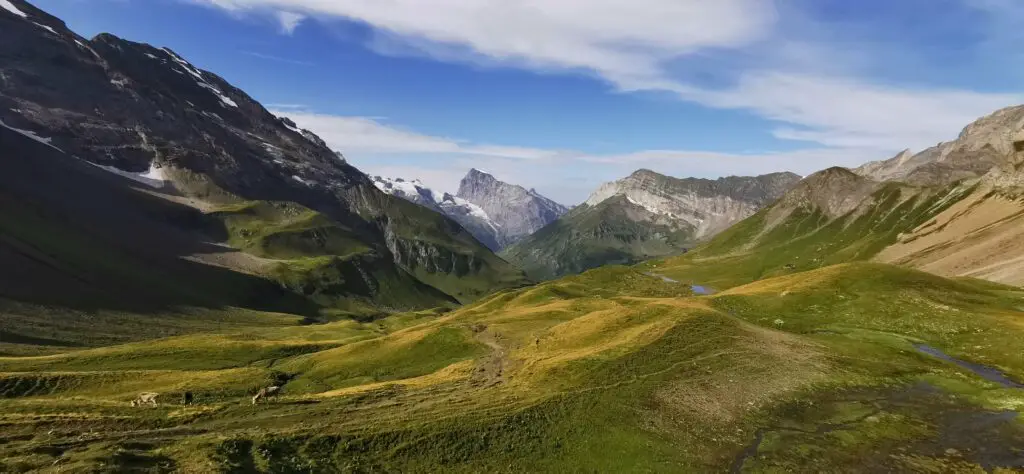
<point x="987" y="142"/>
<point x="704" y="204"/>
<point x="516" y="211"/>
<point x="644" y="215"/>
<point x="477" y="174"/>
<point x="834" y="191"/>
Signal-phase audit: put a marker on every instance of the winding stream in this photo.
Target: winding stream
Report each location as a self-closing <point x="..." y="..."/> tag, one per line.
<point x="988" y="373"/>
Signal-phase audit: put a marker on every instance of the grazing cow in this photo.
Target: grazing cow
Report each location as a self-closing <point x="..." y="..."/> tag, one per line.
<point x="187" y="398"/>
<point x="266" y="393"/>
<point x="144" y="398"/>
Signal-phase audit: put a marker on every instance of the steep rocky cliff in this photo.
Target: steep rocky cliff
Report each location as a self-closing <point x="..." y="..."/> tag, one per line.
<point x="516" y="211"/>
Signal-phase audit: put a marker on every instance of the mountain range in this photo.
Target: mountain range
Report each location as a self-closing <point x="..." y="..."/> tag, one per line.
<point x="643" y="216"/>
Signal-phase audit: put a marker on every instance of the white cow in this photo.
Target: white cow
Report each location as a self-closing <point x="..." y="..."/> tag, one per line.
<point x="144" y="398"/>
<point x="266" y="393"/>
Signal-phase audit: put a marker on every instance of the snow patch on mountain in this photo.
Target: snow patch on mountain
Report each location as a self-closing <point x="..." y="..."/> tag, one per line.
<point x="47" y="28"/>
<point x="470" y="216"/>
<point x="6" y="5"/>
<point x="154" y="177"/>
<point x="32" y="135"/>
<point x="200" y="80"/>
<point x="413" y="191"/>
<point x="450" y="203"/>
<point x="648" y="207"/>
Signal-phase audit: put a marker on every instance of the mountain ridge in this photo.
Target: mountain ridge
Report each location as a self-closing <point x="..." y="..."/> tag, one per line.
<point x="136" y="108"/>
<point x="645" y="215"/>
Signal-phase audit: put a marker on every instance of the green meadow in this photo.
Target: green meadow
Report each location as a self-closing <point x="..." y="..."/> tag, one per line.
<point x="611" y="370"/>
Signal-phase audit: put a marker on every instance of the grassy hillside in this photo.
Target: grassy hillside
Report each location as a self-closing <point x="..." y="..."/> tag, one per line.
<point x="613" y="232"/>
<point x="315" y="256"/>
<point x="91" y="258"/>
<point x="611" y="370"/>
<point x="442" y="254"/>
<point x="979" y="236"/>
<point x="791" y="237"/>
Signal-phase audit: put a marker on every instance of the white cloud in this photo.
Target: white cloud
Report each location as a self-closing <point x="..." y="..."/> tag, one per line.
<point x="279" y="59"/>
<point x="614" y="37"/>
<point x="289" y="21"/>
<point x="440" y="162"/>
<point x="635" y="45"/>
<point x="765" y="62"/>
<point x="843" y="112"/>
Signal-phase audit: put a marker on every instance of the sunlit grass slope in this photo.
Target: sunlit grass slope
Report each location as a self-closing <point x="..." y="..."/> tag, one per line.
<point x="786" y="238"/>
<point x="611" y="370"/>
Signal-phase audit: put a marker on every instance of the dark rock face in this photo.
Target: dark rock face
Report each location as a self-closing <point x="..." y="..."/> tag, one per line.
<point x="136" y="107"/>
<point x="516" y="211"/>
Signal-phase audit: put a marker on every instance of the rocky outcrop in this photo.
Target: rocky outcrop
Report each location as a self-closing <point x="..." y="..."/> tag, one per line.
<point x="708" y="206"/>
<point x="835" y="192"/>
<point x="516" y="211"/>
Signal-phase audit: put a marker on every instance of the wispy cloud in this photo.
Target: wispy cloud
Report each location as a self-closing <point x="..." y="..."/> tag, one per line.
<point x="289" y="21"/>
<point x="271" y="57"/>
<point x="640" y="45"/>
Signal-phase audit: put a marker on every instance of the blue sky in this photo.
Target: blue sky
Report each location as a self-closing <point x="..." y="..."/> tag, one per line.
<point x="562" y="95"/>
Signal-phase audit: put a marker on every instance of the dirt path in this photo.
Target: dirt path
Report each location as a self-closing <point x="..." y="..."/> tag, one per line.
<point x="491" y="369"/>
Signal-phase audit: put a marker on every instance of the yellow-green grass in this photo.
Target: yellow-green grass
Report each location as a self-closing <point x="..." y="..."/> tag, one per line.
<point x="612" y="370"/>
<point x="807" y="238"/>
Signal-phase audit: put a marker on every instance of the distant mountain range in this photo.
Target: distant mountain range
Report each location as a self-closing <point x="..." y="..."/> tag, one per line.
<point x="496" y="213"/>
<point x="955" y="210"/>
<point x="642" y="216"/>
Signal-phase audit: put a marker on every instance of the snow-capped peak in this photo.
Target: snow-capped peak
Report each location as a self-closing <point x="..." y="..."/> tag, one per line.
<point x="469" y="215"/>
<point x="409" y="190"/>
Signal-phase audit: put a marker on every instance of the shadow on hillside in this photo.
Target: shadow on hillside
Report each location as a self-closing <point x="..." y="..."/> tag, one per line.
<point x="77" y="236"/>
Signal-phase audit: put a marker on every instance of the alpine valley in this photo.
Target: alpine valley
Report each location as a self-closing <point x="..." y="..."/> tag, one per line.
<point x="190" y="283"/>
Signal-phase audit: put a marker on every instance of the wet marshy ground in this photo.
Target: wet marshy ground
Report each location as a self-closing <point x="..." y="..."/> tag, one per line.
<point x="913" y="428"/>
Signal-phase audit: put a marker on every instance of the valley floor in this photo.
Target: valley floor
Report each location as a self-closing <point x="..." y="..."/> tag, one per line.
<point x="612" y="370"/>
